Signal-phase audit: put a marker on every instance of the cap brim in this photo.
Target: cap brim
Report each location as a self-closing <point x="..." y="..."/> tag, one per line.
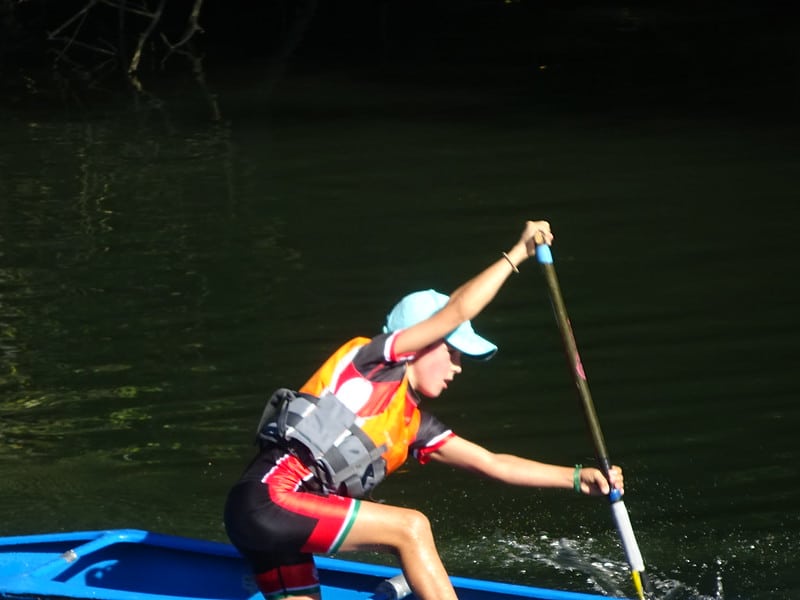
<point x="465" y="340"/>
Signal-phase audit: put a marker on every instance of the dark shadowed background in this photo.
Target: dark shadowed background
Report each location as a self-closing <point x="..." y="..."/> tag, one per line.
<point x="176" y="243"/>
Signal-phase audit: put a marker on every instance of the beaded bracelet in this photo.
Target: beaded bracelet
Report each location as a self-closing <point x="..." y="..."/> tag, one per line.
<point x="576" y="478"/>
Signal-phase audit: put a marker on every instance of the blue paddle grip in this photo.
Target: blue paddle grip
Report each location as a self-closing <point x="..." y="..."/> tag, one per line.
<point x="543" y="254"/>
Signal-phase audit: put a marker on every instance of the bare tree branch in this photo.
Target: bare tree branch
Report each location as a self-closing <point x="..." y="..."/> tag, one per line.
<point x="125" y="6"/>
<point x="193" y="26"/>
<point x="306" y="9"/>
<point x="137" y="55"/>
<point x="139" y="28"/>
<point x="81" y="14"/>
<point x="71" y="41"/>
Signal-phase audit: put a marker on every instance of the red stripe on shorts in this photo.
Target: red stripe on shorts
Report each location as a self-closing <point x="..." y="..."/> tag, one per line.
<point x="334" y="514"/>
<point x="289" y="580"/>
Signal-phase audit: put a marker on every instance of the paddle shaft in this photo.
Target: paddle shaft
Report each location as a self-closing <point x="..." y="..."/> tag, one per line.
<point x="618" y="510"/>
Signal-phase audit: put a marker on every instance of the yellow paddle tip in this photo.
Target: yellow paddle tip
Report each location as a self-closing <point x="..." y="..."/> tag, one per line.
<point x="637" y="583"/>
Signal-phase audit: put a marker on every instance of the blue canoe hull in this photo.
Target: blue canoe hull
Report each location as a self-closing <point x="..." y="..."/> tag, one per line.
<point x="130" y="564"/>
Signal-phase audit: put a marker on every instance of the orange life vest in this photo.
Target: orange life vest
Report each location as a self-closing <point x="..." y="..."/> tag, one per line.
<point x="384" y="411"/>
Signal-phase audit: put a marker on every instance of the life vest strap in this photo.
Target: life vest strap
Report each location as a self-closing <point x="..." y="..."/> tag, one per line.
<point x="346" y="458"/>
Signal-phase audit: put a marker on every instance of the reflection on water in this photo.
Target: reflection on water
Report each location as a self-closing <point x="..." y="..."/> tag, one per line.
<point x="158" y="277"/>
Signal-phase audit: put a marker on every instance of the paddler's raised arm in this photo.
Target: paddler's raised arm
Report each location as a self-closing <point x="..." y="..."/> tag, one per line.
<point x="469" y="299"/>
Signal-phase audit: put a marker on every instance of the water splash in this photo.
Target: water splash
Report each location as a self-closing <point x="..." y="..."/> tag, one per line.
<point x="583" y="564"/>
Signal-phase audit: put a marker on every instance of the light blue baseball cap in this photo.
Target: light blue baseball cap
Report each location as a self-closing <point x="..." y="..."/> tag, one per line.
<point x="418" y="306"/>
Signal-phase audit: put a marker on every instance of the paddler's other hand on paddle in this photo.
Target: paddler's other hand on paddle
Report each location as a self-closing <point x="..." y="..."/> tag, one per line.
<point x="536" y="232"/>
<point x="594" y="483"/>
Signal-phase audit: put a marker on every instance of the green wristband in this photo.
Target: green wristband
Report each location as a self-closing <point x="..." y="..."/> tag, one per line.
<point x="576" y="479"/>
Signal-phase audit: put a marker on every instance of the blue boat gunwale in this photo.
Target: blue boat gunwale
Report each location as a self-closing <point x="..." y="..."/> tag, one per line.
<point x="92" y="541"/>
<point x="68" y="548"/>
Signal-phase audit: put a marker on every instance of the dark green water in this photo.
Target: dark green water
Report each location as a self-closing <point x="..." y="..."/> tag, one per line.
<point x="161" y="273"/>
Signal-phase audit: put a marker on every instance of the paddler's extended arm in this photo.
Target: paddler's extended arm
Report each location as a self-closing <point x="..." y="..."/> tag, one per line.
<point x="515" y="470"/>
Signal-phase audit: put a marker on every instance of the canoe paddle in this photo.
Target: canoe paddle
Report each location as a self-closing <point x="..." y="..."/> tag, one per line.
<point x="620" y="513"/>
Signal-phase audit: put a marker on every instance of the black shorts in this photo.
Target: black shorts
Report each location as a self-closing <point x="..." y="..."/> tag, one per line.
<point x="277" y="517"/>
